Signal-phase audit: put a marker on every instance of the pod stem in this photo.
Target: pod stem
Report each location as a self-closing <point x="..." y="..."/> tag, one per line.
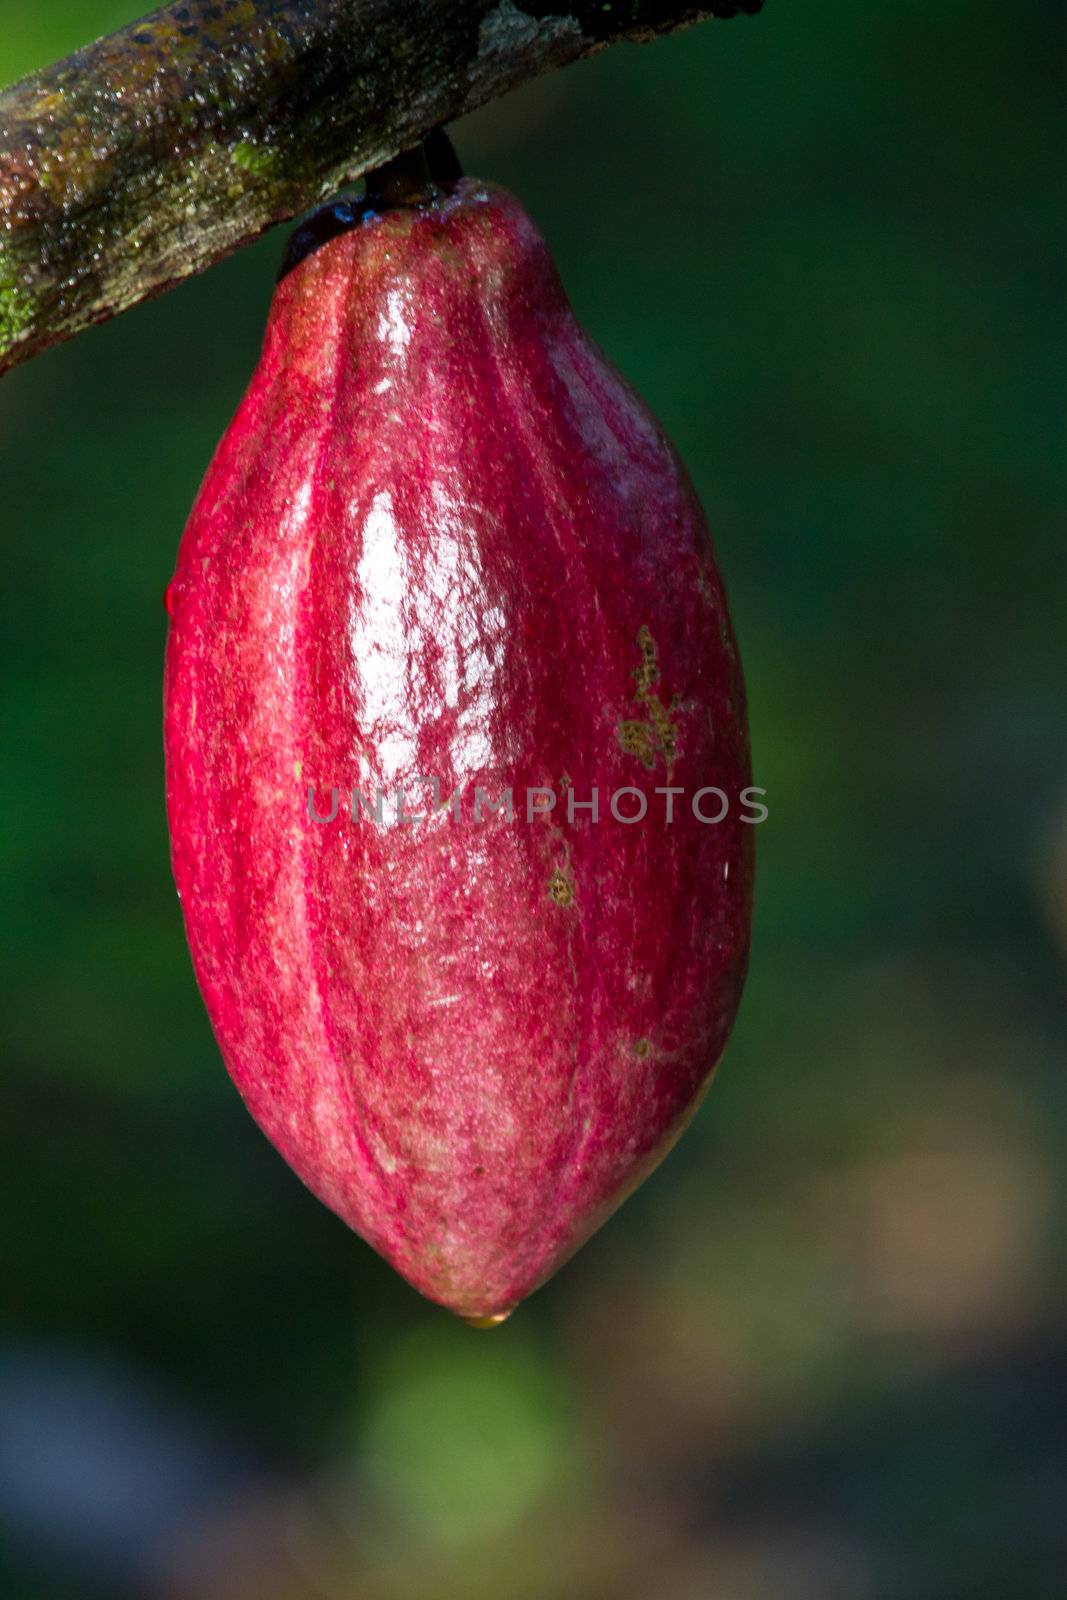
<point x="415" y="177"/>
<point x="404" y="181"/>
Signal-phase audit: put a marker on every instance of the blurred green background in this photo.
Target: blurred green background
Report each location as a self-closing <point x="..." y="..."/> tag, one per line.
<point x="823" y="1352"/>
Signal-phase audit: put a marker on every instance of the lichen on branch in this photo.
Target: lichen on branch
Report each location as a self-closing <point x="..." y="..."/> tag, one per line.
<point x="157" y="151"/>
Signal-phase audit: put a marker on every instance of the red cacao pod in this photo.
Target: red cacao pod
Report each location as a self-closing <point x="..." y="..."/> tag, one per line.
<point x="443" y="540"/>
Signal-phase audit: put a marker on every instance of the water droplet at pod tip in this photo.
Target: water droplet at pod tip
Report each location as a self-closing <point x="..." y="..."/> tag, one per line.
<point x="488" y="1322"/>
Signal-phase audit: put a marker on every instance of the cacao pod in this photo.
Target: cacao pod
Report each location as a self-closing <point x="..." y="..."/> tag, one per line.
<point x="444" y="549"/>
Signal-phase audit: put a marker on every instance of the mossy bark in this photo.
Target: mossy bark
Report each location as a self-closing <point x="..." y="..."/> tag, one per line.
<point x="157" y="151"/>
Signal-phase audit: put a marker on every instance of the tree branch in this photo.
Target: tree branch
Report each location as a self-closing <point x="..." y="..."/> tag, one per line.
<point x="155" y="152"/>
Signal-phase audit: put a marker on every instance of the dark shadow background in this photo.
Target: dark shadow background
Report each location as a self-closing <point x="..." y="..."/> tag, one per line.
<point x="823" y="1352"/>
